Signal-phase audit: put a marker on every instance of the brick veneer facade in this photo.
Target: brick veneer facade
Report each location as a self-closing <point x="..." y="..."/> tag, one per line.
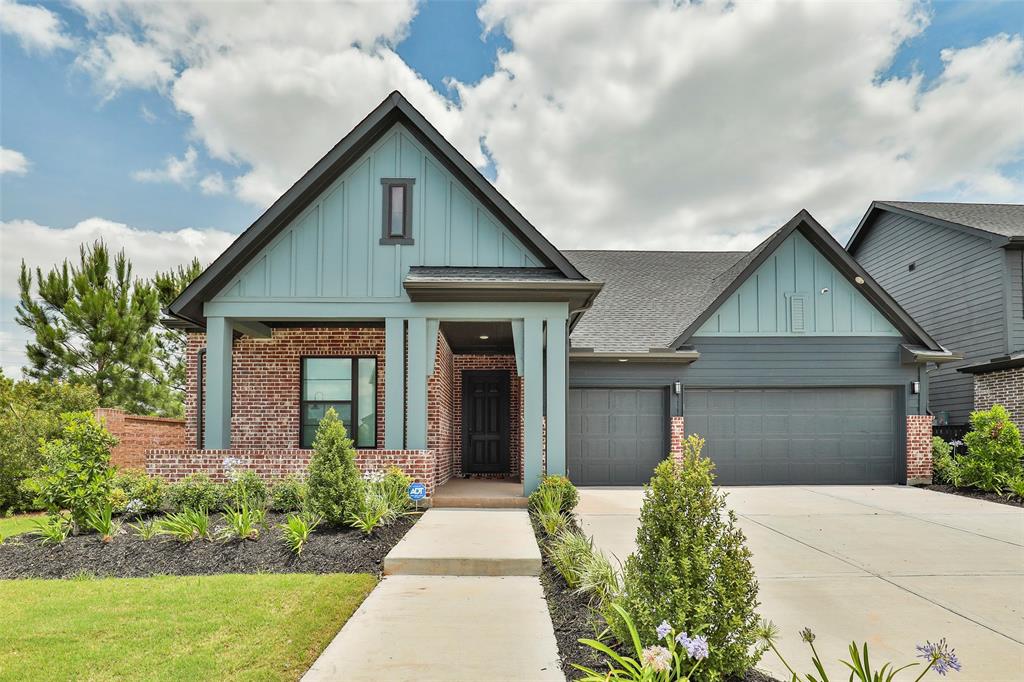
<point x="136" y="434"/>
<point x="919" y="448"/>
<point x="1006" y="388"/>
<point x="273" y="464"/>
<point x="441" y="410"/>
<point x="506" y="363"/>
<point x="676" y="435"/>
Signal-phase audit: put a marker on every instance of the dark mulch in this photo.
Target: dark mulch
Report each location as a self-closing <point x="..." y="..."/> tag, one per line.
<point x="128" y="556"/>
<point x="975" y="493"/>
<point x="574" y="618"/>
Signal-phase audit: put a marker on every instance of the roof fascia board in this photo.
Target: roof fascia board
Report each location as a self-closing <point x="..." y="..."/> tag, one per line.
<point x="838" y="257"/>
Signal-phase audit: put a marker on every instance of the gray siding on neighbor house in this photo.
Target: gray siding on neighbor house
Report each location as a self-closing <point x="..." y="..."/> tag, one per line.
<point x="1015" y="298"/>
<point x="956" y="292"/>
<point x="751" y="362"/>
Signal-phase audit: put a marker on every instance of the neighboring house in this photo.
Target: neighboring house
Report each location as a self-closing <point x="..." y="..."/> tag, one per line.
<point x="395" y="284"/>
<point x="959" y="270"/>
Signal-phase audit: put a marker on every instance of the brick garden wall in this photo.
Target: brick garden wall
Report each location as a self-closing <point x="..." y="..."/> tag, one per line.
<point x="265" y="376"/>
<point x="175" y="464"/>
<point x="1004" y="388"/>
<point x="136" y="434"/>
<point x="919" y="448"/>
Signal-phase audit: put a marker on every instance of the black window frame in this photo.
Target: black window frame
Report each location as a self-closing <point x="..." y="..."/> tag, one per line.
<point x="353" y="399"/>
<point x="406" y="237"/>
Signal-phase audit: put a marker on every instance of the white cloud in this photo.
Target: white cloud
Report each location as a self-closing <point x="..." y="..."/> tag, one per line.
<point x="213" y="184"/>
<point x="118" y="62"/>
<point x="36" y="28"/>
<point x="180" y="171"/>
<point x="12" y="162"/>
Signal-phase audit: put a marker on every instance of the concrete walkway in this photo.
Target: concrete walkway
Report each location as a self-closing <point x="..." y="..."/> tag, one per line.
<point x="469" y="625"/>
<point x="891" y="565"/>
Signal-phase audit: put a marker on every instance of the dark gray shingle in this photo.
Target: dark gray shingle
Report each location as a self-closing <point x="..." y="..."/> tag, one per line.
<point x="1002" y="219"/>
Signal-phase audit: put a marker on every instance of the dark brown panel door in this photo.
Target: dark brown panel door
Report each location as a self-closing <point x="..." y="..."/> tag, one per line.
<point x="485" y="422"/>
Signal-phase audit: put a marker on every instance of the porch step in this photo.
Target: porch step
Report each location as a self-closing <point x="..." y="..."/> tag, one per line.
<point x="480" y="542"/>
<point x="479" y="494"/>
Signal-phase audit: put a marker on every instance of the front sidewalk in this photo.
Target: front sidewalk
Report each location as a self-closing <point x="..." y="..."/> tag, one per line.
<point x="467" y="625"/>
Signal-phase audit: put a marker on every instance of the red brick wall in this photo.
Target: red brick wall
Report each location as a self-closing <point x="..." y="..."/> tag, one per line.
<point x="136" y="434"/>
<point x="515" y="408"/>
<point x="919" y="448"/>
<point x="677" y="434"/>
<point x="441" y="435"/>
<point x="265" y="376"/>
<point x="1004" y="388"/>
<point x="175" y="464"/>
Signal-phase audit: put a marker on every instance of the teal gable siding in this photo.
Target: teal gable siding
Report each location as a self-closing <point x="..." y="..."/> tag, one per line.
<point x="332" y="249"/>
<point x="783" y="297"/>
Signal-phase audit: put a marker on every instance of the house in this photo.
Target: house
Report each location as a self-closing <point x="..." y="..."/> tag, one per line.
<point x="959" y="270"/>
<point x="393" y="283"/>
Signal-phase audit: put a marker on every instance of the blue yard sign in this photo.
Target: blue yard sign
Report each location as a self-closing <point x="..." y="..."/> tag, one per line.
<point x="417" y="491"/>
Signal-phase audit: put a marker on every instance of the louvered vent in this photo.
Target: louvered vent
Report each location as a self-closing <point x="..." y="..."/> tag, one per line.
<point x="797" y="314"/>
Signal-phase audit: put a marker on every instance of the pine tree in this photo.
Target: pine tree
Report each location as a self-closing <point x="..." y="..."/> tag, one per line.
<point x="171" y="343"/>
<point x="93" y="324"/>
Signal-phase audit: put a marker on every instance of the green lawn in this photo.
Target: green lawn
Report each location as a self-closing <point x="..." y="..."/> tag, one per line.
<point x="15" y="525"/>
<point x="224" y="627"/>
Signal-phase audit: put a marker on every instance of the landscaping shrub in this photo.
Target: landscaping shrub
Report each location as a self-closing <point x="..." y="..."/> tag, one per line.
<point x="29" y="412"/>
<point x="288" y="494"/>
<point x="562" y="488"/>
<point x="243" y="523"/>
<point x="994" y="449"/>
<point x="52" y="529"/>
<point x="134" y="492"/>
<point x="692" y="567"/>
<point x="76" y="474"/>
<point x="393" y="486"/>
<point x="296" y="530"/>
<point x="546" y="506"/>
<point x="195" y="491"/>
<point x="248" y="489"/>
<point x="569" y="551"/>
<point x="369" y="511"/>
<point x="186" y="526"/>
<point x="335" y="485"/>
<point x="599" y="579"/>
<point x="102" y="521"/>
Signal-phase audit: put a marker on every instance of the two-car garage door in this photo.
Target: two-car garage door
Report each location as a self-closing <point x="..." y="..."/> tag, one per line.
<point x="754" y="436"/>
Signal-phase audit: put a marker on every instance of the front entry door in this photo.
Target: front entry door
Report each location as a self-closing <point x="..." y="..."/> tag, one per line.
<point x="485" y="422"/>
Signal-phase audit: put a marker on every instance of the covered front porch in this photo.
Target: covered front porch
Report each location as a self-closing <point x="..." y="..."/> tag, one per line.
<point x="480" y="390"/>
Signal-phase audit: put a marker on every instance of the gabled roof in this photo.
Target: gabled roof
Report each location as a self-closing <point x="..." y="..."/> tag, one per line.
<point x="1004" y="222"/>
<point x="394" y="109"/>
<point x="657" y="300"/>
<point x="729" y="281"/>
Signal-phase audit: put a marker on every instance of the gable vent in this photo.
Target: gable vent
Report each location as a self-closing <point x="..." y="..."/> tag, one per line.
<point x="797" y="314"/>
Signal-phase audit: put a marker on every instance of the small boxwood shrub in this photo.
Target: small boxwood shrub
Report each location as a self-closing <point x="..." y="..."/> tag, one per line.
<point x="692" y="567"/>
<point x="194" y="492"/>
<point x="76" y="474"/>
<point x="248" y="489"/>
<point x="134" y="492"/>
<point x="335" y="485"/>
<point x="288" y="494"/>
<point x="567" y="492"/>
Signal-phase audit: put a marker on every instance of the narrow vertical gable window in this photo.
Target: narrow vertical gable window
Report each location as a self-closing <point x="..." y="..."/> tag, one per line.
<point x="397" y="210"/>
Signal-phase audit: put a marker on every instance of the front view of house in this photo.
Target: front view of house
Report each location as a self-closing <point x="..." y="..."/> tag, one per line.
<point x="393" y="283"/>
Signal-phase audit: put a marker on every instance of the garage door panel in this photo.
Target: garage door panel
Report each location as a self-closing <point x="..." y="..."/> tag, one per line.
<point x="800" y="436"/>
<point x="620" y="438"/>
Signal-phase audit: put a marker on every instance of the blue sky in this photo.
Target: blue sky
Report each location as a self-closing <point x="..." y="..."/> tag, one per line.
<point x="618" y="125"/>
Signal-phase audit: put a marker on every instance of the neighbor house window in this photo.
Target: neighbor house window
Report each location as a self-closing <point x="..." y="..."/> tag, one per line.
<point x="397" y="210"/>
<point x="349" y="385"/>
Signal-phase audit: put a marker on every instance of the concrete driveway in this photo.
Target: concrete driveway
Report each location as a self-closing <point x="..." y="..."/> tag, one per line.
<point x="891" y="565"/>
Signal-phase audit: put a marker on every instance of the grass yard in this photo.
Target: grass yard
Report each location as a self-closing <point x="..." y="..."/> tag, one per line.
<point x="223" y="627"/>
<point x="16" y="525"/>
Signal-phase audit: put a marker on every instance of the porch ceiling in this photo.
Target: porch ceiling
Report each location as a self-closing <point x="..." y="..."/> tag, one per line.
<point x="464" y="337"/>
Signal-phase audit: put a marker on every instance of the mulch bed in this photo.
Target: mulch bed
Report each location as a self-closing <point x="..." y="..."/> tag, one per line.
<point x="128" y="556"/>
<point x="975" y="493"/>
<point x="573" y="618"/>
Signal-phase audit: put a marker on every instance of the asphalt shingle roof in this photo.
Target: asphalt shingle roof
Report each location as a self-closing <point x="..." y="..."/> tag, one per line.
<point x="1002" y="219"/>
<point x="650" y="297"/>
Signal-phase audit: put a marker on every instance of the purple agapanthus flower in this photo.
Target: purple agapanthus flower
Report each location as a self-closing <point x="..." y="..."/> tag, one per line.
<point x="697" y="648"/>
<point x="682" y="640"/>
<point x="663" y="630"/>
<point x="942" y="657"/>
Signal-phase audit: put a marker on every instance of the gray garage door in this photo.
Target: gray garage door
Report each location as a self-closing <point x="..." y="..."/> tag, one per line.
<point x="616" y="435"/>
<point x="804" y="436"/>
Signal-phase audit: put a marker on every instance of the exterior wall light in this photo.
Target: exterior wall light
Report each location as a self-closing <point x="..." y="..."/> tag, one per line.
<point x="484" y="337"/>
<point x="915" y="387"/>
<point x="677" y="387"/>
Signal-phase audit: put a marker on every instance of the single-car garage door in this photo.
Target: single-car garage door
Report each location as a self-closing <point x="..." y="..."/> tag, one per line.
<point x="803" y="436"/>
<point x="616" y="436"/>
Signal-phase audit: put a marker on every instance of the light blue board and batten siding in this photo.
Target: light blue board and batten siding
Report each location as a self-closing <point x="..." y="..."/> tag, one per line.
<point x="332" y="249"/>
<point x="783" y="297"/>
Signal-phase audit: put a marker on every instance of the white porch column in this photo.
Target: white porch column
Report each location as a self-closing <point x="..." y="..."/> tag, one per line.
<point x="533" y="402"/>
<point x="416" y="437"/>
<point x="555" y="360"/>
<point x="217" y="427"/>
<point x="394" y="383"/>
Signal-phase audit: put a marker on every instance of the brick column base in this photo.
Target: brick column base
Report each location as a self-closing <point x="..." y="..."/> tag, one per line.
<point x="677" y="434"/>
<point x="919" y="449"/>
